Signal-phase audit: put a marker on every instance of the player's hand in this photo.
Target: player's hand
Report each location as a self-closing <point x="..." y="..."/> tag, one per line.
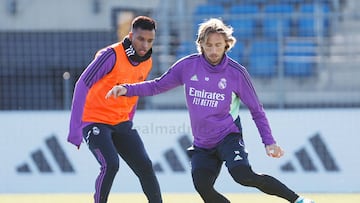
<point x="116" y="91"/>
<point x="274" y="151"/>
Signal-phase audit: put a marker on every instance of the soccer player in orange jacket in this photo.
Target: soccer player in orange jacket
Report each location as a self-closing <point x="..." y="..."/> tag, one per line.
<point x="106" y="124"/>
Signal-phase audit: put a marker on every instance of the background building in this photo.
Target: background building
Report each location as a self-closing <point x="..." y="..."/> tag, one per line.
<point x="301" y="53"/>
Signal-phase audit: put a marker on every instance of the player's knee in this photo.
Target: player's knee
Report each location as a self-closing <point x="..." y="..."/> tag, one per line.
<point x="147" y="163"/>
<point x="202" y="181"/>
<point x="200" y="186"/>
<point x="111" y="166"/>
<point x="114" y="168"/>
<point x="244" y="176"/>
<point x="144" y="169"/>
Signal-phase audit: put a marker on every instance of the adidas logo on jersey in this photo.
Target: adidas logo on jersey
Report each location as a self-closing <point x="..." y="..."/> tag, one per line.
<point x="237" y="156"/>
<point x="194" y="78"/>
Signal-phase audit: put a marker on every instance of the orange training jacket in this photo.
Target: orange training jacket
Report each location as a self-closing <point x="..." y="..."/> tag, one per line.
<point x="113" y="111"/>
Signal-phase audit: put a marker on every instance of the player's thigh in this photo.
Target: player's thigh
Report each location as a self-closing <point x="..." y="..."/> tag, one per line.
<point x="131" y="149"/>
<point x="99" y="141"/>
<point x="232" y="150"/>
<point x="202" y="159"/>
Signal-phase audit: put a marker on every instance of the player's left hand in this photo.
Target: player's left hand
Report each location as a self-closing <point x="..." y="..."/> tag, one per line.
<point x="274" y="151"/>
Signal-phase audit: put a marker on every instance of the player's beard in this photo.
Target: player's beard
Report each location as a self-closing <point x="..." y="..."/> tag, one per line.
<point x="213" y="59"/>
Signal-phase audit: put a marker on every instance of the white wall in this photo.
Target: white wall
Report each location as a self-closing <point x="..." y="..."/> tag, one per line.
<point x="26" y="132"/>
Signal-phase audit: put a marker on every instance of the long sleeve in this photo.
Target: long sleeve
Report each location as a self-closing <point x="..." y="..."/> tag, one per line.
<point x="97" y="69"/>
<point x="250" y="99"/>
<point x="75" y="129"/>
<point x="169" y="80"/>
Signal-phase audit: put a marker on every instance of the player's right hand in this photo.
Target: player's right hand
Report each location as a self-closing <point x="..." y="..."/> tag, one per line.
<point x="116" y="91"/>
<point x="274" y="150"/>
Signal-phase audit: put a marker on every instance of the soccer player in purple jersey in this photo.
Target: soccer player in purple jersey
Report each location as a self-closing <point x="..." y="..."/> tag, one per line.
<point x="214" y="86"/>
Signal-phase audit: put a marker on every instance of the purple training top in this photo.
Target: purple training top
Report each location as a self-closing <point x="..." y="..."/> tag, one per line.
<point x="213" y="95"/>
<point x="96" y="70"/>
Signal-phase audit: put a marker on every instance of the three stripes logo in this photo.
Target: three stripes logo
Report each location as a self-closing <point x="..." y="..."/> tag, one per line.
<point x="306" y="161"/>
<point x="41" y="161"/>
<point x="304" y="158"/>
<point x="130" y="51"/>
<point x="172" y="158"/>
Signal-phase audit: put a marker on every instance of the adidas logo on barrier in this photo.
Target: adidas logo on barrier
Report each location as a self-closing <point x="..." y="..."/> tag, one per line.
<point x="172" y="158"/>
<point x="306" y="160"/>
<point x="40" y="159"/>
<point x="42" y="163"/>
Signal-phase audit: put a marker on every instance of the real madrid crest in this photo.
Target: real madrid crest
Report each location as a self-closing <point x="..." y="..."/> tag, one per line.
<point x="222" y="83"/>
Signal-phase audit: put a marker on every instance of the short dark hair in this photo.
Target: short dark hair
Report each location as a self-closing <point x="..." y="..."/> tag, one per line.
<point x="143" y="22"/>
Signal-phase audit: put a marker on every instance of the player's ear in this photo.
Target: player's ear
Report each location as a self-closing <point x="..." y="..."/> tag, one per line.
<point x="227" y="47"/>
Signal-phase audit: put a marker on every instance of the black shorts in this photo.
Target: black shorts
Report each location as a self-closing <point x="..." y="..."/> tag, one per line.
<point x="230" y="150"/>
